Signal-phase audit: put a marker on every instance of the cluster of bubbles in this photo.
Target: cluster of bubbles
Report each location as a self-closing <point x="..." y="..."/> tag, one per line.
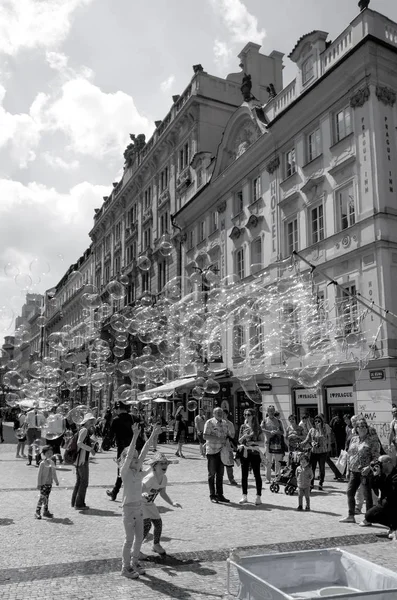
<point x="273" y="325"/>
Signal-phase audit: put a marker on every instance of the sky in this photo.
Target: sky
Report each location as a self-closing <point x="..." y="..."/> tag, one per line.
<point x="78" y="76"/>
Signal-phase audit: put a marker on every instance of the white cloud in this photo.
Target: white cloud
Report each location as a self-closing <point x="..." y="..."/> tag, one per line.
<point x="222" y="53"/>
<point x="167" y="84"/>
<point x="56" y="162"/>
<point x="35" y="23"/>
<point x="95" y="123"/>
<point x="20" y="132"/>
<point x="241" y="25"/>
<point x="56" y="60"/>
<point x="40" y="224"/>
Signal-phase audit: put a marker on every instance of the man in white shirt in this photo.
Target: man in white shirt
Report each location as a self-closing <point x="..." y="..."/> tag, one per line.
<point x="34" y="422"/>
<point x="216" y="434"/>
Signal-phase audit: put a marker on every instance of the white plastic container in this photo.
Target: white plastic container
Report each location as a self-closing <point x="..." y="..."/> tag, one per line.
<point x="310" y="575"/>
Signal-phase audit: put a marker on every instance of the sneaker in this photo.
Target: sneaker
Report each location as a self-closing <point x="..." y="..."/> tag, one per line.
<point x="300" y="508"/>
<point x="111" y="495"/>
<point x="18" y="456"/>
<point x="85" y="507"/>
<point x="130" y="573"/>
<point x="365" y="524"/>
<point x="349" y="519"/>
<point x="307" y="508"/>
<point x="392" y="535"/>
<point x="177" y="454"/>
<point x="258" y="500"/>
<point x="48" y="514"/>
<point x="234" y="482"/>
<point x="244" y="499"/>
<point x="320" y="487"/>
<point x="136" y="566"/>
<point x="214" y="499"/>
<point x="158" y="548"/>
<point x="37" y="515"/>
<point x="223" y="499"/>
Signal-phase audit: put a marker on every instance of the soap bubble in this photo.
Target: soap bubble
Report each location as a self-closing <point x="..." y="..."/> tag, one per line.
<point x="116" y="290"/>
<point x="144" y="263"/>
<point x="39" y="267"/>
<point x="23" y="281"/>
<point x="165" y="245"/>
<point x="11" y="270"/>
<point x="192" y="405"/>
<point x="198" y="392"/>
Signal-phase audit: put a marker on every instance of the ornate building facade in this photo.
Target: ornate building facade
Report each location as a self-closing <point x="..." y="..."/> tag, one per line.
<point x="320" y="179"/>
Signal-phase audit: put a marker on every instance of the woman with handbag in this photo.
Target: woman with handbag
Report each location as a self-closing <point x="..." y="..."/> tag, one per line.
<point x="318" y="440"/>
<point x="250" y="439"/>
<point x="363" y="449"/>
<point x="273" y="429"/>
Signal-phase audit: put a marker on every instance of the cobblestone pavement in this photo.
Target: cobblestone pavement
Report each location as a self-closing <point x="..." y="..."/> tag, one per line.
<point x="77" y="555"/>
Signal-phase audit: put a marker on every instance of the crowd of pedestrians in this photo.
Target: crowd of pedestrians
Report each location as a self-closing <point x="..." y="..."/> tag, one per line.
<point x="265" y="447"/>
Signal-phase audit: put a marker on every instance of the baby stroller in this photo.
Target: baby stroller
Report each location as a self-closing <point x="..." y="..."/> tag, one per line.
<point x="287" y="475"/>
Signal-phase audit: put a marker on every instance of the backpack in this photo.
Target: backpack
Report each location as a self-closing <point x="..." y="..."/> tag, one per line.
<point x="71" y="450"/>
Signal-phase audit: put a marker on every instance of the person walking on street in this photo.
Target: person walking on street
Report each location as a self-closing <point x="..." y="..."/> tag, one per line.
<point x="180" y="429"/>
<point x="230" y="445"/>
<point x="46" y="476"/>
<point x="199" y="422"/>
<point x="318" y="441"/>
<point x="121" y="432"/>
<point x="85" y="448"/>
<point x="216" y="432"/>
<point x="338" y="428"/>
<point x="20" y="434"/>
<point x="364" y="448"/>
<point x="34" y="421"/>
<point x="274" y="438"/>
<point x="250" y="440"/>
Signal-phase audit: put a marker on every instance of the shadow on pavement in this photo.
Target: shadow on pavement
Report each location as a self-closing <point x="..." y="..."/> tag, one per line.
<point x="173" y="590"/>
<point x="59" y="521"/>
<point x="6" y="521"/>
<point x="97" y="512"/>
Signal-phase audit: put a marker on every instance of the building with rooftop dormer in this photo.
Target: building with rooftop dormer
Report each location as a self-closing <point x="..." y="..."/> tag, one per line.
<point x="132" y="232"/>
<point x="319" y="179"/>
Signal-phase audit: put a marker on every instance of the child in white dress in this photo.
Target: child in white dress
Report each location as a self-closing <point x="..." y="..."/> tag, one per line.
<point x="154" y="484"/>
<point x="132" y="475"/>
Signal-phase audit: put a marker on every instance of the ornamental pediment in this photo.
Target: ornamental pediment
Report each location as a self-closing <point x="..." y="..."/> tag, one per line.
<point x="236" y="233"/>
<point x="254" y="221"/>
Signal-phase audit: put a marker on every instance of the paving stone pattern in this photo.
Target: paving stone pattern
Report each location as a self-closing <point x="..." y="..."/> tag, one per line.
<point x="76" y="555"/>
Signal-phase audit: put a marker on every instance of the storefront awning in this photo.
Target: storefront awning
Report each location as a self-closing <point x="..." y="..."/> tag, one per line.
<point x="167" y="388"/>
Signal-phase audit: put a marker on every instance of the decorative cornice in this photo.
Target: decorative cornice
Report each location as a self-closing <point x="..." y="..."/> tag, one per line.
<point x="386" y="95"/>
<point x="360" y="97"/>
<point x="221" y="207"/>
<point x="273" y="165"/>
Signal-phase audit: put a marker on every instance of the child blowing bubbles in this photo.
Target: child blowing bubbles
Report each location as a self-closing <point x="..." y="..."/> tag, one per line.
<point x="132" y="475"/>
<point x="46" y="475"/>
<point x="155" y="484"/>
<point x="304" y="475"/>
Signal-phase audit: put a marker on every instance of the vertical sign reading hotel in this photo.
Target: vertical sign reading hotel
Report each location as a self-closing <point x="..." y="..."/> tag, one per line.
<point x="273" y="216"/>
